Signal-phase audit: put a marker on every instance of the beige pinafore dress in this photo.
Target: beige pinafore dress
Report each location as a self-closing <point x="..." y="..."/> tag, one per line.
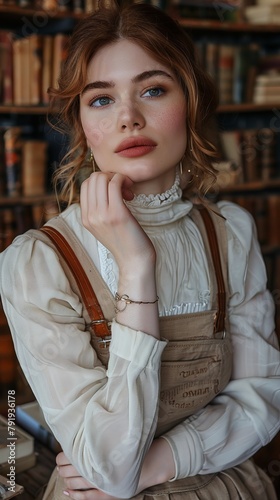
<point x="196" y="365"/>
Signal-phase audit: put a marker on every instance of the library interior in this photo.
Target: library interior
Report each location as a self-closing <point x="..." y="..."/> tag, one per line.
<point x="238" y="44"/>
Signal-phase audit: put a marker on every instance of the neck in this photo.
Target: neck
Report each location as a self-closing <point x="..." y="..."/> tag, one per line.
<point x="155" y="186"/>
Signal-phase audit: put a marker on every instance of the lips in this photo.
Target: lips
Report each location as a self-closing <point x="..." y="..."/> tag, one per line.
<point x="135" y="146"/>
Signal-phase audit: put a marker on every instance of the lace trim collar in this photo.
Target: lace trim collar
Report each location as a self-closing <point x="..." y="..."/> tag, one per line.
<point x="156" y="200"/>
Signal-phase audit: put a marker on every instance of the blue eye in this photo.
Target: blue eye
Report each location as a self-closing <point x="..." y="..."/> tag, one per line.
<point x="154" y="92"/>
<point x="101" y="101"/>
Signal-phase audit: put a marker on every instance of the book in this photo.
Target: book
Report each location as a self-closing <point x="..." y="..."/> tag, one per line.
<point x="14" y="442"/>
<point x="8" y="228"/>
<point x="9" y="488"/>
<point x="6" y="49"/>
<point x="269" y="79"/>
<point x="262" y="10"/>
<point x="2" y="163"/>
<point x="35" y="65"/>
<point x="264" y="90"/>
<point x="267" y="156"/>
<point x="264" y="19"/>
<point x="47" y="67"/>
<point x="253" y="58"/>
<point x="273" y="201"/>
<point x="267" y="2"/>
<point x="266" y="99"/>
<point x="211" y="59"/>
<point x="225" y="67"/>
<point x="59" y="55"/>
<point x="24" y="74"/>
<point x="34" y="167"/>
<point x="250" y="155"/>
<point x="18" y="70"/>
<point x="12" y="144"/>
<point x="30" y="417"/>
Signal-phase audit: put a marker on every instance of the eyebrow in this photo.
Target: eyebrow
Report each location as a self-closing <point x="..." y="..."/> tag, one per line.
<point x="100" y="84"/>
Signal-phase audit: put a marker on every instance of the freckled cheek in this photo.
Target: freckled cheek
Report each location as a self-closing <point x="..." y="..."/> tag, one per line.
<point x="172" y="121"/>
<point x="96" y="132"/>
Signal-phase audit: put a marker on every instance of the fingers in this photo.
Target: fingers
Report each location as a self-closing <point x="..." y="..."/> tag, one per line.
<point x="102" y="201"/>
<point x="101" y="190"/>
<point x="61" y="459"/>
<point x="92" y="494"/>
<point x="81" y="495"/>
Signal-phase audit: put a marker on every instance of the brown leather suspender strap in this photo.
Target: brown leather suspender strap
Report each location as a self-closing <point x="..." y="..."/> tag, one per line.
<point x="98" y="322"/>
<point x="219" y="325"/>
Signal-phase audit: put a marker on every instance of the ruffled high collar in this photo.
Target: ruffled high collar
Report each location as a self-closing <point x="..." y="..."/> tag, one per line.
<point x="160" y="209"/>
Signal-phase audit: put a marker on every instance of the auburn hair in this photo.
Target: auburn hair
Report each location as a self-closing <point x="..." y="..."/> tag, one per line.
<point x="168" y="43"/>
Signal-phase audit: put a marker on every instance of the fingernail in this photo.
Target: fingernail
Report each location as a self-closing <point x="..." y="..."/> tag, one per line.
<point x="66" y="493"/>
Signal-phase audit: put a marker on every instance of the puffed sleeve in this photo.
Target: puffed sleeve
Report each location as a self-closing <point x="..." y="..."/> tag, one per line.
<point x="246" y="415"/>
<point x="104" y="420"/>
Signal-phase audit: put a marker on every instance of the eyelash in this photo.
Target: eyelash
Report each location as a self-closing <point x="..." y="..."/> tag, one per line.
<point x="98" y="98"/>
<point x="162" y="91"/>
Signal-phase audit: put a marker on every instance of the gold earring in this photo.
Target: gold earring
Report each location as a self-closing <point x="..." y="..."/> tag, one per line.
<point x="191" y="144"/>
<point x="181" y="167"/>
<point x="91" y="159"/>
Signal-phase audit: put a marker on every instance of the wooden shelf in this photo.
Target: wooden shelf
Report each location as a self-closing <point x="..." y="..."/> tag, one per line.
<point x="270" y="249"/>
<point x="252" y="186"/>
<point x="247" y="107"/>
<point x="210" y="25"/>
<point x="8" y="201"/>
<point x="13" y="11"/>
<point x="24" y="110"/>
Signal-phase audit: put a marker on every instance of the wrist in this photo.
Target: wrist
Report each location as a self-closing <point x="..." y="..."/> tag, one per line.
<point x="158" y="466"/>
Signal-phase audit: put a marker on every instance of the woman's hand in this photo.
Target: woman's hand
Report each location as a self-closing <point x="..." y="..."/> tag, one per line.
<point x="157" y="468"/>
<point x="76" y="487"/>
<point x="107" y="217"/>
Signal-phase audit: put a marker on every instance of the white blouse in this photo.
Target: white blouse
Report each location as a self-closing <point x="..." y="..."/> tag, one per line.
<point x="105" y="420"/>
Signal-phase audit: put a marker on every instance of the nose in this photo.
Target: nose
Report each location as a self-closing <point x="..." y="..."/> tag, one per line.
<point x="130" y="117"/>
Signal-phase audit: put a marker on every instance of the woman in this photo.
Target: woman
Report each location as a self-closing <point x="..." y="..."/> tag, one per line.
<point x="136" y="101"/>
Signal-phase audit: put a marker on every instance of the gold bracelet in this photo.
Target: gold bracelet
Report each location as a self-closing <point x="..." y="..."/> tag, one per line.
<point x="125" y="298"/>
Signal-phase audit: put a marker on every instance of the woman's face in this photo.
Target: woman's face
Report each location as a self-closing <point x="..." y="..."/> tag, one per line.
<point x="133" y="113"/>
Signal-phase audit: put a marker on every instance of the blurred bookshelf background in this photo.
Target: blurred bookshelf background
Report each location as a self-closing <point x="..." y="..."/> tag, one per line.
<point x="237" y="42"/>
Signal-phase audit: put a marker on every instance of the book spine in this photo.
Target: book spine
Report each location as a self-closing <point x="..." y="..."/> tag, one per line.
<point x="225" y="73"/>
<point x="47" y="65"/>
<point x="250" y="155"/>
<point x="12" y="140"/>
<point x="3" y="182"/>
<point x="6" y="44"/>
<point x="273" y="220"/>
<point x="17" y="72"/>
<point x="34" y="167"/>
<point x="36" y="56"/>
<point x="267" y="142"/>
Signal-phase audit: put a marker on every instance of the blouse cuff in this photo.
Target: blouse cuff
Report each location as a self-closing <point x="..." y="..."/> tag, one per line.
<point x="187" y="451"/>
<point x="139" y="347"/>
